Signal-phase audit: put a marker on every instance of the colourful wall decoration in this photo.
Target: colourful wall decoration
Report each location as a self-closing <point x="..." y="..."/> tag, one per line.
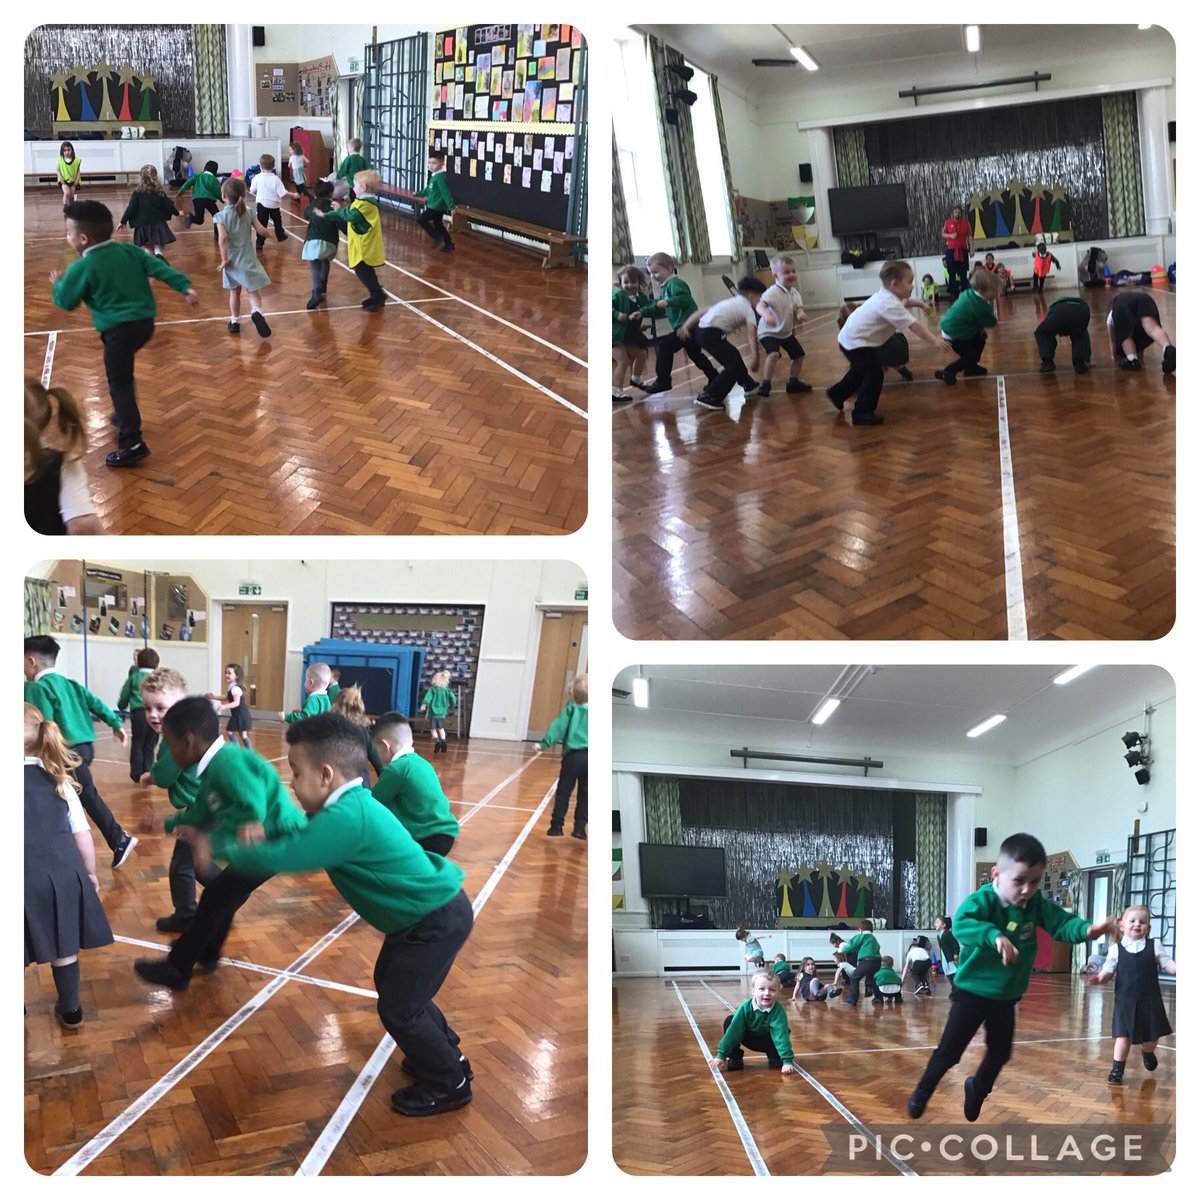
<point x="103" y="98"/>
<point x="804" y="221"/>
<point x="1020" y="212"/>
<point x="818" y="896"/>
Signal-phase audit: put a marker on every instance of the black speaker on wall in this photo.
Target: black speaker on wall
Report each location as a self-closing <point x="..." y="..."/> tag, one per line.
<point x="1171" y="131"/>
<point x="259" y="34"/>
<point x="806" y="172"/>
<point x="616" y="812"/>
<point x="980" y="835"/>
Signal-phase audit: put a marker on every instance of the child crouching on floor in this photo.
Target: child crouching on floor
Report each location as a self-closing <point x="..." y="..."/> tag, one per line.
<point x="887" y="983"/>
<point x="760" y="1023"/>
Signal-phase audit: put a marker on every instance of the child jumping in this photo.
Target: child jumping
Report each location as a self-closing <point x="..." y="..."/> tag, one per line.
<point x="66" y="172"/>
<point x="438" y="201"/>
<point x="779" y="309"/>
<point x="1134" y="325"/>
<point x="571" y="728"/>
<point x="629" y="344"/>
<point x="409" y="787"/>
<point x="712" y="330"/>
<point x="964" y="325"/>
<point x="235" y="702"/>
<point x="753" y="947"/>
<point x="149" y="213"/>
<point x="1139" y="1014"/>
<point x="143" y="738"/>
<point x="206" y="196"/>
<point x="997" y="928"/>
<point x="675" y="300"/>
<point x="268" y="191"/>
<point x="320" y="241"/>
<point x="364" y="233"/>
<point x="759" y="1023"/>
<point x="240" y="268"/>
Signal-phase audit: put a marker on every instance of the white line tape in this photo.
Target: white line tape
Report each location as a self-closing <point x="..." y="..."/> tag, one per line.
<point x="48" y="362"/>
<point x="1014" y="582"/>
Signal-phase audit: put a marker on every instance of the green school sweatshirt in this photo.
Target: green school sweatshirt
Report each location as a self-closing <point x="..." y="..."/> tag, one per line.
<point x="410" y="789"/>
<point x="969" y="314"/>
<point x="370" y="857"/>
<point x="332" y="690"/>
<point x="886" y="975"/>
<point x="204" y="186"/>
<point x="148" y="208"/>
<point x="570" y="727"/>
<point x="112" y="280"/>
<point x="439" y="701"/>
<point x="183" y="786"/>
<point x="351" y="165"/>
<point x="863" y="945"/>
<point x="436" y="193"/>
<point x="625" y="304"/>
<point x="680" y="304"/>
<point x="131" y="689"/>
<point x="318" y="702"/>
<point x="69" y="704"/>
<point x="749" y="1019"/>
<point x="982" y="916"/>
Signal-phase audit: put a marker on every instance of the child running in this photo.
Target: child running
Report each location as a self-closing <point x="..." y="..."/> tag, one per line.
<point x="571" y="728"/>
<point x="364" y="233"/>
<point x="149" y="213"/>
<point x="206" y="196"/>
<point x="1139" y="1014"/>
<point x="1068" y="317"/>
<point x="235" y="702"/>
<point x="143" y="738"/>
<point x="351" y="165"/>
<point x="71" y="707"/>
<point x="240" y="268"/>
<point x="63" y="913"/>
<point x="113" y="280"/>
<point x="675" y="300"/>
<point x="439" y="700"/>
<point x="316" y="698"/>
<point x="1133" y="326"/>
<point x="759" y="1023"/>
<point x="268" y="191"/>
<point x="809" y="987"/>
<point x="779" y="309"/>
<point x="409" y="787"/>
<point x="713" y="330"/>
<point x="348" y="702"/>
<point x="320" y="241"/>
<point x="1042" y="258"/>
<point x="629" y="344"/>
<point x="67" y="173"/>
<point x="298" y="167"/>
<point x="964" y="325"/>
<point x="414" y="898"/>
<point x="438" y="201"/>
<point x="58" y="498"/>
<point x="997" y="928"/>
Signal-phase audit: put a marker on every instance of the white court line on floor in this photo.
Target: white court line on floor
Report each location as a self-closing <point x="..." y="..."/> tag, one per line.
<point x="735" y="1113"/>
<point x="48" y="361"/>
<point x="1014" y="582"/>
<point x="502" y="807"/>
<point x="329" y="1137"/>
<point x="836" y="1104"/>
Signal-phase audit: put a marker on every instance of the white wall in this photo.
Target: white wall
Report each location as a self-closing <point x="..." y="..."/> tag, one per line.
<point x="510" y="591"/>
<point x="297" y="43"/>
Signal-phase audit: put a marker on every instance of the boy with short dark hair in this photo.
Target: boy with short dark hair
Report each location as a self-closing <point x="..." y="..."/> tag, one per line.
<point x="113" y="280"/>
<point x="413" y="898"/>
<point x="143" y="738"/>
<point x="676" y="302"/>
<point x="438" y="201"/>
<point x="714" y="327"/>
<point x="269" y="192"/>
<point x="71" y="707"/>
<point x="206" y="196"/>
<point x="409" y="787"/>
<point x="864" y="946"/>
<point x="996" y="927"/>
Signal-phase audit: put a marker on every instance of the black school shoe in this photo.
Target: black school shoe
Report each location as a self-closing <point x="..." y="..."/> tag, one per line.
<point x="735" y="1062"/>
<point x="872" y="418"/>
<point x="373" y="303"/>
<point x="972" y="1101"/>
<point x="314" y="300"/>
<point x="69" y="1020"/>
<point x="653" y="387"/>
<point x="175" y="923"/>
<point x="124" y="847"/>
<point x="1047" y="367"/>
<point x="448" y="247"/>
<point x="554" y="831"/>
<point x="798" y="385"/>
<point x="916" y="1104"/>
<point x="128" y="458"/>
<point x="764" y="388"/>
<point x="1081" y="368"/>
<point x="235" y="327"/>
<point x="704" y="400"/>
<point x="905" y="374"/>
<point x="1130" y="364"/>
<point x="581" y="834"/>
<point x="1150" y="1060"/>
<point x="947" y="377"/>
<point x="975" y="372"/>
<point x="1169" y="361"/>
<point x="161" y="973"/>
<point x="840" y="405"/>
<point x="774" y="1062"/>
<point x="260" y="323"/>
<point x="422" y="1100"/>
<point x="1117" y="1074"/>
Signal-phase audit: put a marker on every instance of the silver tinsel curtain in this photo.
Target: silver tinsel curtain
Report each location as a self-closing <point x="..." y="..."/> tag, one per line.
<point x="850" y="156"/>
<point x="930" y="870"/>
<point x="622" y="241"/>
<point x="1123" y="166"/>
<point x="660" y="807"/>
<point x="167" y="51"/>
<point x="212" y="81"/>
<point x="37" y="606"/>
<point x="943" y="160"/>
<point x="735" y="228"/>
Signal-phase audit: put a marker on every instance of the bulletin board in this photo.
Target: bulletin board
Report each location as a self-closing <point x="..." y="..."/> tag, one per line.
<point x="277" y="89"/>
<point x="316" y="82"/>
<point x="1056" y="883"/>
<point x="508" y="103"/>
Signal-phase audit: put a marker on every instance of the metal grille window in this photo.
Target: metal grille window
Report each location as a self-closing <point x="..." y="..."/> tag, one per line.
<point x="396" y="112"/>
<point x="1150" y="880"/>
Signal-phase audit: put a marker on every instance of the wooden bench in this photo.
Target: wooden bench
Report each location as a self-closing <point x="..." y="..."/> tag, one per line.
<point x="559" y="245"/>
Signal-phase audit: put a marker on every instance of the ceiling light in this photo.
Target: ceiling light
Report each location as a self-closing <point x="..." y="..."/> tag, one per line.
<point x="641" y="692"/>
<point x="805" y="59"/>
<point x="1145" y="26"/>
<point x="984" y="726"/>
<point x="827" y="709"/>
<point x="1071" y="674"/>
<point x="972" y="39"/>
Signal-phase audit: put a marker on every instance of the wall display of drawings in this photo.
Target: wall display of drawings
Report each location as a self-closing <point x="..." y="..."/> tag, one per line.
<point x="820" y="896"/>
<point x="277" y="89"/>
<point x="1055" y="883"/>
<point x="316" y="81"/>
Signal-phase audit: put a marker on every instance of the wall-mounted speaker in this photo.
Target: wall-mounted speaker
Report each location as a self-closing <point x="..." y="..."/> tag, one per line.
<point x="980" y="836"/>
<point x="806" y="173"/>
<point x="1170" y="131"/>
<point x="616" y="812"/>
<point x="258" y="34"/>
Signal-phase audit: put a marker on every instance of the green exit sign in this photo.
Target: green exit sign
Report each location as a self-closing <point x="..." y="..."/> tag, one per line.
<point x="249" y="589"/>
<point x="1103" y="856"/>
<point x="581" y="593"/>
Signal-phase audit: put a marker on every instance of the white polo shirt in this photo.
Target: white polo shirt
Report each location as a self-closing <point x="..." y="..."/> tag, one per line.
<point x="727" y="315"/>
<point x="873" y="322"/>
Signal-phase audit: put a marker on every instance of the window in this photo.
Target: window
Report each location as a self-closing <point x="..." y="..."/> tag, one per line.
<point x="712" y="168"/>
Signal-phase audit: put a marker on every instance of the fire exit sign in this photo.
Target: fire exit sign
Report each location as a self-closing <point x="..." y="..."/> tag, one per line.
<point x="249" y="589"/>
<point x="581" y="593"/>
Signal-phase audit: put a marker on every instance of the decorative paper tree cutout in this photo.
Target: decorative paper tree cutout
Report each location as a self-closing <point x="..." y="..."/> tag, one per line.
<point x="86" y="111"/>
<point x="1038" y="191"/>
<point x="103" y="74"/>
<point x="975" y="207"/>
<point x="864" y="896"/>
<point x="783" y="878"/>
<point x="996" y="196"/>
<point x="124" y="77"/>
<point x="1058" y="196"/>
<point x="58" y="83"/>
<point x="842" y="908"/>
<point x="1017" y="189"/>
<point x="807" y="892"/>
<point x="825" y="874"/>
<point x="148" y="86"/>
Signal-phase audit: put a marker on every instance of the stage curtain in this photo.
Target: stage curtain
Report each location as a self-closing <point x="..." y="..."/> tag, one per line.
<point x="850" y="156"/>
<point x="212" y="81"/>
<point x="660" y="806"/>
<point x="622" y="242"/>
<point x="679" y="157"/>
<point x="735" y="229"/>
<point x="931" y="858"/>
<point x="37" y="607"/>
<point x="1123" y="166"/>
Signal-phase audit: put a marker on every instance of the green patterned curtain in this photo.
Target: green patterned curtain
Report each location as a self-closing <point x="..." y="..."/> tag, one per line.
<point x="931" y="857"/>
<point x="1123" y="166"/>
<point x="358" y="92"/>
<point x="335" y="125"/>
<point x="679" y="156"/>
<point x="37" y="609"/>
<point x="1077" y="893"/>
<point x="735" y="232"/>
<point x="660" y="806"/>
<point x="211" y="80"/>
<point x="850" y="156"/>
<point x="622" y="242"/>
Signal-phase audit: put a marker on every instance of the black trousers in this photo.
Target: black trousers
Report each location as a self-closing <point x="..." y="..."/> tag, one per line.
<point x="431" y="220"/>
<point x="369" y="280"/>
<point x="714" y="342"/>
<point x="121" y="344"/>
<point x="755" y="1041"/>
<point x="969" y="351"/>
<point x="1066" y="320"/>
<point x="1039" y="283"/>
<point x="956" y="270"/>
<point x="182" y="876"/>
<point x="265" y="217"/>
<point x="574" y="770"/>
<point x="99" y="812"/>
<point x="318" y="268"/>
<point x="664" y="357"/>
<point x="412" y="966"/>
<point x="200" y="206"/>
<point x="437" y="843"/>
<point x="864" y="971"/>
<point x="967" y="1012"/>
<point x="205" y="937"/>
<point x="864" y="377"/>
<point x="142" y="744"/>
<point x="920" y="971"/>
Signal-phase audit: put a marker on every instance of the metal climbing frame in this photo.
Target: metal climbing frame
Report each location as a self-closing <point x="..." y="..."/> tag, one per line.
<point x="1150" y="880"/>
<point x="396" y="112"/>
<point x="577" y="214"/>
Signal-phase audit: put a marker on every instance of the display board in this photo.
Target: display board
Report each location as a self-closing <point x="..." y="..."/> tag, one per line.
<point x="104" y="99"/>
<point x="277" y="89"/>
<point x="316" y="82"/>
<point x="508" y="101"/>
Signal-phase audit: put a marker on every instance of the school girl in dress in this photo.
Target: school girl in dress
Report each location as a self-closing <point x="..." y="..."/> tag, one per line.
<point x="236" y="702"/>
<point x="240" y="268"/>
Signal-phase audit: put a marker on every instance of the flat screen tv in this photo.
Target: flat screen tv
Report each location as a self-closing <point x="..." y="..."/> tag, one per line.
<point x="682" y="871"/>
<point x="868" y="209"/>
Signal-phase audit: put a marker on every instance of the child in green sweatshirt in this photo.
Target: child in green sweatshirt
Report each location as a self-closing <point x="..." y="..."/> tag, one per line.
<point x="996" y="928"/>
<point x="571" y="728"/>
<point x="143" y="738"/>
<point x="675" y="299"/>
<point x="438" y="201"/>
<point x="413" y="898"/>
<point x="863" y="950"/>
<point x="409" y="787"/>
<point x="71" y="707"/>
<point x="113" y="280"/>
<point x="316" y="699"/>
<point x="964" y="324"/>
<point x="439" y="700"/>
<point x="206" y="195"/>
<point x="759" y="1023"/>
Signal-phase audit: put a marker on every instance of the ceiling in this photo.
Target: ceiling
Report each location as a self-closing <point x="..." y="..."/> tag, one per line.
<point x="850" y="53"/>
<point x="917" y="710"/>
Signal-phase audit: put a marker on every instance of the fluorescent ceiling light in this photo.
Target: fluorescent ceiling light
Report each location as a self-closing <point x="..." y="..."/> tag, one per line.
<point x="1072" y="673"/>
<point x="1145" y="26"/>
<point x="826" y="711"/>
<point x="641" y="692"/>
<point x="805" y="59"/>
<point x="972" y="39"/>
<point x="984" y="726"/>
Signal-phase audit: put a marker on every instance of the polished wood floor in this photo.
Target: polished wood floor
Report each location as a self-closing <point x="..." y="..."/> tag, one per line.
<point x="262" y="1098"/>
<point x="461" y="409"/>
<point x="670" y="1118"/>
<point x="778" y="519"/>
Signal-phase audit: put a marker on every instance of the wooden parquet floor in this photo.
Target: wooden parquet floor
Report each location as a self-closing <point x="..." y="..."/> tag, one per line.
<point x="780" y="520"/>
<point x="261" y="1100"/>
<point x="670" y="1118"/>
<point x="441" y="415"/>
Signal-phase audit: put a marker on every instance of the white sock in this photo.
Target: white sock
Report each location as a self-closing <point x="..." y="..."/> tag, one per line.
<point x="255" y="308"/>
<point x="1131" y="357"/>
